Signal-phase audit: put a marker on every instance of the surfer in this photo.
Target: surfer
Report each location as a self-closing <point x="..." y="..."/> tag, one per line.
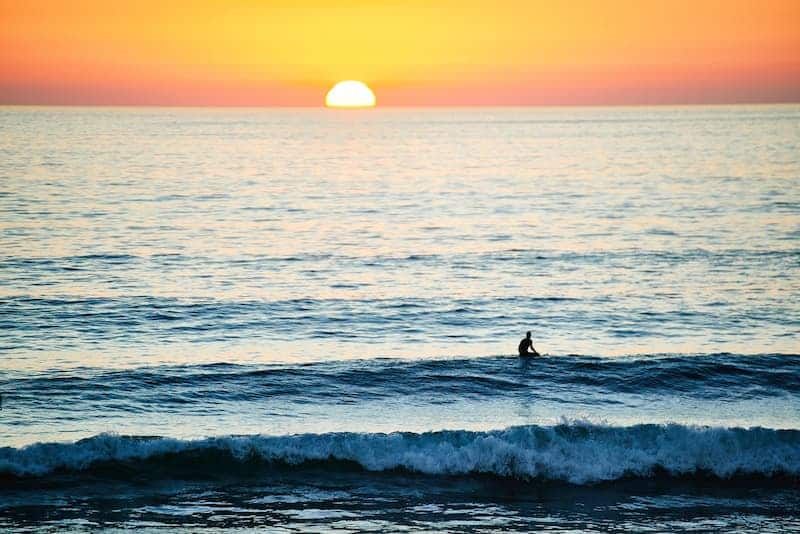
<point x="526" y="344"/>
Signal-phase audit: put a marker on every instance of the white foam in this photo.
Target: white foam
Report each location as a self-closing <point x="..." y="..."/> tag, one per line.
<point x="576" y="452"/>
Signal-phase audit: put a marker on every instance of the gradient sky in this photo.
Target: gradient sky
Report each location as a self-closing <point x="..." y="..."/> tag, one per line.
<point x="415" y="52"/>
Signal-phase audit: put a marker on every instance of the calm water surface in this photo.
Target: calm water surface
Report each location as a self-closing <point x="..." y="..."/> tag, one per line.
<point x="306" y="319"/>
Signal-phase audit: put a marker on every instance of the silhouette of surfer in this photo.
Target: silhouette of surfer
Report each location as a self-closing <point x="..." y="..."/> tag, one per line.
<point x="526" y="344"/>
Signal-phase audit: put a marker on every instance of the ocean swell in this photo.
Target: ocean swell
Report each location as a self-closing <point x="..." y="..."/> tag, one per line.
<point x="578" y="453"/>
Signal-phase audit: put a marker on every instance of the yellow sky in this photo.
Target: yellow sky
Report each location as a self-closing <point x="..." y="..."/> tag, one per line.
<point x="250" y="52"/>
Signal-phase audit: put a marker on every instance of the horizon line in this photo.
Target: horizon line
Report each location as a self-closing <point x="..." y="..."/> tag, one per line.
<point x="405" y="106"/>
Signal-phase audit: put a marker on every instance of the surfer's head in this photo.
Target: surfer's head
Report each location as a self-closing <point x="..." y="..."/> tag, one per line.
<point x="528" y="333"/>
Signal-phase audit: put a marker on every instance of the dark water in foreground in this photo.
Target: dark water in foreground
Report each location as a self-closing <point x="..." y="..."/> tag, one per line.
<point x="304" y="320"/>
<point x="366" y="474"/>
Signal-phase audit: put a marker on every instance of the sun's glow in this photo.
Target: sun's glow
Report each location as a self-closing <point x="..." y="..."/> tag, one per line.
<point x="350" y="94"/>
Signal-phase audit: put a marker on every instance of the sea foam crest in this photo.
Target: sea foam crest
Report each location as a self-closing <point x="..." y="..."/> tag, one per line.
<point x="578" y="453"/>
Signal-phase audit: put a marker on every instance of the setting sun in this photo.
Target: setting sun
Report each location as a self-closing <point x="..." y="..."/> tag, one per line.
<point x="350" y="94"/>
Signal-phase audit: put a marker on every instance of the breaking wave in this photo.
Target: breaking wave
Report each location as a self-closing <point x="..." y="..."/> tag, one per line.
<point x="573" y="452"/>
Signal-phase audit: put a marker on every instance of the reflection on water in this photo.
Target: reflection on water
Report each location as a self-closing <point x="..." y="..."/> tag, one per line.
<point x="244" y="234"/>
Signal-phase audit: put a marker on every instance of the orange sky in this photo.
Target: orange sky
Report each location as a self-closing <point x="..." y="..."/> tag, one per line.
<point x="414" y="52"/>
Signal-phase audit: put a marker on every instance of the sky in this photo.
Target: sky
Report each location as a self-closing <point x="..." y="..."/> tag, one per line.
<point x="412" y="53"/>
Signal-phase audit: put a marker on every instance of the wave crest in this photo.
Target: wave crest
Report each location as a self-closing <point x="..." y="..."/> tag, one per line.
<point x="578" y="453"/>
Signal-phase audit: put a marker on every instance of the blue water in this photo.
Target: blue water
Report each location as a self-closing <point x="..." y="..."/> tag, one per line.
<point x="307" y="319"/>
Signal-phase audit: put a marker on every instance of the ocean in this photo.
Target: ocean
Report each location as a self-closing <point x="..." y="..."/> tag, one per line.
<point x="307" y="320"/>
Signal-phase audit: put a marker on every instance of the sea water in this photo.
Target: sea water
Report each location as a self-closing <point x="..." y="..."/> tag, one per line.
<point x="308" y="319"/>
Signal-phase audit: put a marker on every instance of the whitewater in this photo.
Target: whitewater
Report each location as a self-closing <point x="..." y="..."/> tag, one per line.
<point x="576" y="453"/>
<point x="307" y="320"/>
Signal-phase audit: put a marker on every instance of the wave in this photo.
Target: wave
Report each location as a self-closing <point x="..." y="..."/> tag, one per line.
<point x="573" y="452"/>
<point x="724" y="377"/>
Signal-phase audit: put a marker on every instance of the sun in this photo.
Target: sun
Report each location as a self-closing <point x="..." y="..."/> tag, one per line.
<point x="350" y="94"/>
